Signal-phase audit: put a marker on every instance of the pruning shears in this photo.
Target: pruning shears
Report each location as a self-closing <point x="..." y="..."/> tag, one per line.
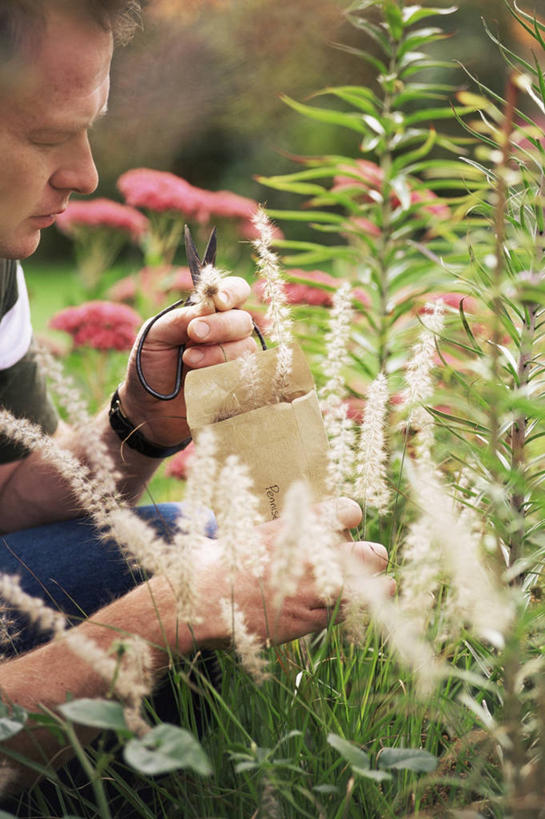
<point x="196" y="265"/>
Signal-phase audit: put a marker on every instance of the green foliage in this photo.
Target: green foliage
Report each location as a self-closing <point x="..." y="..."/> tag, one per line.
<point x="12" y="720"/>
<point x="166" y="748"/>
<point x="412" y="213"/>
<point x="96" y="713"/>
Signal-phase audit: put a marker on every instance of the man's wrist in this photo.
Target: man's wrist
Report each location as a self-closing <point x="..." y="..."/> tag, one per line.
<point x="132" y="437"/>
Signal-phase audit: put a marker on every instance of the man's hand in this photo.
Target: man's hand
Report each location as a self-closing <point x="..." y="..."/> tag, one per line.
<point x="210" y="338"/>
<point x="303" y="613"/>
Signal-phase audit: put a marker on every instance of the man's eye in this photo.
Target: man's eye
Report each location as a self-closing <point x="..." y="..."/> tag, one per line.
<point x="49" y="142"/>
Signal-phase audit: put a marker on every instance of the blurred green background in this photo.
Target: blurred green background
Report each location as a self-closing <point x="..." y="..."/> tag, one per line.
<point x="198" y="91"/>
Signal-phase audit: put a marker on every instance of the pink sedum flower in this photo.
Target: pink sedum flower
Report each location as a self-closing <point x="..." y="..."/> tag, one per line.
<point x="368" y="177"/>
<point x="103" y="325"/>
<point x="162" y="191"/>
<point x="102" y="212"/>
<point x="159" y="191"/>
<point x="179" y="464"/>
<point x="228" y="205"/>
<point x="311" y="293"/>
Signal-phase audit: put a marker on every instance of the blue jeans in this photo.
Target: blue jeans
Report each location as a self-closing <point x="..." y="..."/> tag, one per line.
<point x="68" y="566"/>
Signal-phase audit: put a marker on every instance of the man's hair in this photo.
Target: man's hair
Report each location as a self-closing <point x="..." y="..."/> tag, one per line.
<point x="21" y="19"/>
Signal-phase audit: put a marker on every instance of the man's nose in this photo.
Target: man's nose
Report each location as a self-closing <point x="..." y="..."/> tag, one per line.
<point x="77" y="172"/>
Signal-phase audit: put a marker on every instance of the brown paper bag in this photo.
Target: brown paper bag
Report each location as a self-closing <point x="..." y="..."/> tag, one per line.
<point x="280" y="442"/>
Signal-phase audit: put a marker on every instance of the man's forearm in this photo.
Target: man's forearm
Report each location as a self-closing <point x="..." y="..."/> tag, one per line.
<point x="34" y="492"/>
<point x="44" y="677"/>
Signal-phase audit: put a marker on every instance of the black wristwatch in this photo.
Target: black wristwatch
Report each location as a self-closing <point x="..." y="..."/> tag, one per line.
<point x="133" y="438"/>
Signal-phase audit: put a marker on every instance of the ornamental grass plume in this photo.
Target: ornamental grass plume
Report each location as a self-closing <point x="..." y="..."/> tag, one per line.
<point x="252" y="382"/>
<point x="38" y="613"/>
<point x="126" y="666"/>
<point x="208" y="286"/>
<point x="190" y="539"/>
<point x="419" y="382"/>
<point x="128" y="673"/>
<point x="368" y="596"/>
<point x="102" y="325"/>
<point x="247" y="645"/>
<point x="237" y="517"/>
<point x="371" y="458"/>
<point x="450" y="552"/>
<point x="278" y="313"/>
<point x="97" y="498"/>
<point x="304" y="539"/>
<point x="339" y="428"/>
<point x="94" y="450"/>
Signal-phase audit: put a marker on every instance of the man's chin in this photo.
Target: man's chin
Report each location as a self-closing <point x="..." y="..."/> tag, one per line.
<point x="20" y="249"/>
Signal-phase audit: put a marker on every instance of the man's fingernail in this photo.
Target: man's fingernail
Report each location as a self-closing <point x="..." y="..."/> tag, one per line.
<point x="193" y="357"/>
<point x="200" y="329"/>
<point x="222" y="298"/>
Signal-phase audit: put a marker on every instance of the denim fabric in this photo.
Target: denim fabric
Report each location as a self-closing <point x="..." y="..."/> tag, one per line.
<point x="72" y="569"/>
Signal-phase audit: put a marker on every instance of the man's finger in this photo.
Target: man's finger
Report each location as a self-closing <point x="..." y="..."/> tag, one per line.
<point x="233" y="293"/>
<point x="205" y="356"/>
<point x="219" y="328"/>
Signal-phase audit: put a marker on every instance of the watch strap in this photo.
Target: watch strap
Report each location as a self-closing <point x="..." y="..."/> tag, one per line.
<point x="132" y="437"/>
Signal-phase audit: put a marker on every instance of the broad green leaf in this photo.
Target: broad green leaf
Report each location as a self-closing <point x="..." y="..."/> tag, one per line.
<point x="357" y="758"/>
<point x="381" y="67"/>
<point x="438" y="113"/>
<point x="413" y="14"/>
<point x="374" y="31"/>
<point x="424" y="66"/>
<point x="5" y="815"/>
<point x="421" y="37"/>
<point x="394" y="19"/>
<point x="167" y="748"/>
<point x="307" y="216"/>
<point x="249" y="765"/>
<point x="411" y="759"/>
<point x="378" y="776"/>
<point x="374" y="124"/>
<point x="358" y="96"/>
<point x="404" y="160"/>
<point x="326" y="115"/>
<point x="96" y="713"/>
<point x="12" y="720"/>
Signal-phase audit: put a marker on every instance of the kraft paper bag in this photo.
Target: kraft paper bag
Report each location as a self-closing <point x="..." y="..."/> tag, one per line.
<point x="280" y="441"/>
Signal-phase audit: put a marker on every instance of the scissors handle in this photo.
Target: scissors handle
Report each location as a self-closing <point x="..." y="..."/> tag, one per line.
<point x="195" y="267"/>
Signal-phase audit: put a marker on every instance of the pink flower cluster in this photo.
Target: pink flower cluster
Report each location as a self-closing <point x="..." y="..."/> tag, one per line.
<point x="102" y="325"/>
<point x="102" y="212"/>
<point x="153" y="283"/>
<point x="178" y="465"/>
<point x="309" y="291"/>
<point x="162" y="191"/>
<point x="368" y="177"/>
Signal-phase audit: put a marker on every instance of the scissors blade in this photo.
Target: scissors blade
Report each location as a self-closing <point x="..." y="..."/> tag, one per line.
<point x="193" y="259"/>
<point x="210" y="252"/>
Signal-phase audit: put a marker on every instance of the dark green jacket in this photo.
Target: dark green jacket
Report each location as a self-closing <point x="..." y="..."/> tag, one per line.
<point x="22" y="385"/>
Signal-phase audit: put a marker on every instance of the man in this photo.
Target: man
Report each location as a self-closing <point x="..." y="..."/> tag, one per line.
<point x="54" y="82"/>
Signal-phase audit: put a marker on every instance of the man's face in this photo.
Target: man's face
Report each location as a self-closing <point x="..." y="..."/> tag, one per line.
<point x="44" y="122"/>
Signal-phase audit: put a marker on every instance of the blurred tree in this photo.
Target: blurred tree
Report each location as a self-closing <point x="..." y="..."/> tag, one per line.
<point x="198" y="90"/>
